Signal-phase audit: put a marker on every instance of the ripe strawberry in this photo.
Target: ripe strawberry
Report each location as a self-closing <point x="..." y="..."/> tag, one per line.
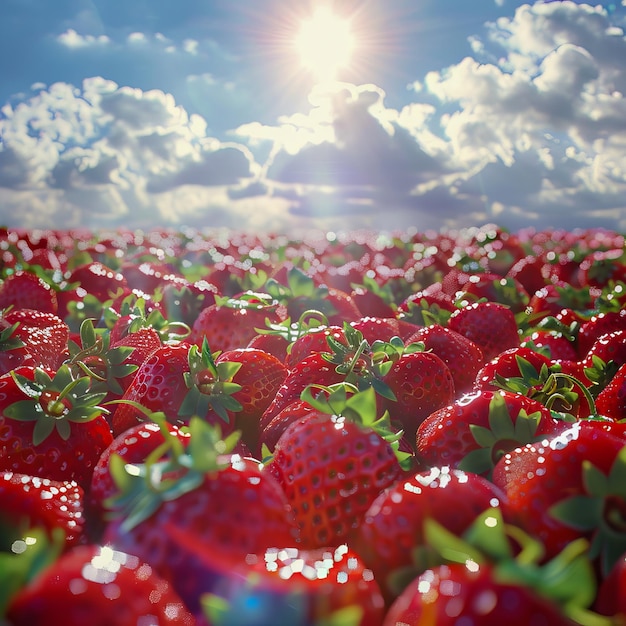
<point x="52" y="425"/>
<point x="495" y="288"/>
<point x="28" y="502"/>
<point x="559" y="506"/>
<point x="460" y="354"/>
<point x="260" y="376"/>
<point x="98" y="280"/>
<point x="133" y="446"/>
<point x="611" y="401"/>
<point x="314" y="340"/>
<point x="332" y="463"/>
<point x="490" y="325"/>
<point x="231" y="322"/>
<point x="610" y="600"/>
<point x="476" y="430"/>
<point x="598" y="325"/>
<point x="326" y="585"/>
<point x="421" y="383"/>
<point x="31" y="337"/>
<point x="392" y="531"/>
<point x="457" y="593"/>
<point x="431" y="305"/>
<point x="179" y="380"/>
<point x="600" y="267"/>
<point x="384" y="328"/>
<point x="201" y="495"/>
<point x="26" y="290"/>
<point x="300" y="293"/>
<point x="100" y="586"/>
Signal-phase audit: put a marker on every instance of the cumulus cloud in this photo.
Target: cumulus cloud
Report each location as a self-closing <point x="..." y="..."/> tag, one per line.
<point x="105" y="154"/>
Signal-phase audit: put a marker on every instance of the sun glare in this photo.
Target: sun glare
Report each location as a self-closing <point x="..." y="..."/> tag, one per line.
<point x="325" y="44"/>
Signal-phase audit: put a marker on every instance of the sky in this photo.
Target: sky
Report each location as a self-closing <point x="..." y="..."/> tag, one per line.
<point x="276" y="116"/>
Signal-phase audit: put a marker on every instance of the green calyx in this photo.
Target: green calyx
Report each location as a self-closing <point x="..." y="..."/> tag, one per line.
<point x="346" y="401"/>
<point x="252" y="300"/>
<point x="134" y="307"/>
<point x="502" y="435"/>
<point x="291" y="331"/>
<point x="549" y="386"/>
<point x="210" y="384"/>
<point x="170" y="471"/>
<point x="96" y="359"/>
<point x="568" y="579"/>
<point x="53" y="403"/>
<point x="8" y="339"/>
<point x="600" y="512"/>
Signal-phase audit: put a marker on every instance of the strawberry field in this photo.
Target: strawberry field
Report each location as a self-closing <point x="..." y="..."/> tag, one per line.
<point x="352" y="429"/>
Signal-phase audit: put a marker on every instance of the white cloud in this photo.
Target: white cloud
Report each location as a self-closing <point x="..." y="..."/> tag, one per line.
<point x="71" y="39"/>
<point x="104" y="154"/>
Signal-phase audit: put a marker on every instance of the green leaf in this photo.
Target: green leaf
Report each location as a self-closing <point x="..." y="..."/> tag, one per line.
<point x="484" y="437"/>
<point x="595" y="481"/>
<point x="580" y="512"/>
<point x="43" y="429"/>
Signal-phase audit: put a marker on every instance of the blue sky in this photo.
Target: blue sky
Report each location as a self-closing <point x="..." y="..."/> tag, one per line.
<point x="206" y="113"/>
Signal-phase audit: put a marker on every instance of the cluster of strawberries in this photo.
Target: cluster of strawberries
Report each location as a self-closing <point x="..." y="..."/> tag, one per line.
<point x="361" y="429"/>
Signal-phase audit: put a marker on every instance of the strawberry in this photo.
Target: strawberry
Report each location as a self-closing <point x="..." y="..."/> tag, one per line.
<point x="134" y="445"/>
<point x="179" y="380"/>
<point x="315" y="339"/>
<point x="230" y="322"/>
<point x="420" y="383"/>
<point x="600" y="267"/>
<point x="333" y="462"/>
<point x="610" y="600"/>
<point x="459" y="593"/>
<point x="301" y="293"/>
<point x="430" y="305"/>
<point x="260" y="375"/>
<point x="200" y="495"/>
<point x="560" y="506"/>
<point x="598" y="325"/>
<point x="495" y="288"/>
<point x="490" y="325"/>
<point x="52" y="425"/>
<point x="325" y="585"/>
<point x="611" y="401"/>
<point x="476" y="430"/>
<point x="384" y="328"/>
<point x="32" y="337"/>
<point x="392" y="530"/>
<point x="274" y="428"/>
<point x="100" y="586"/>
<point x="27" y="290"/>
<point x="460" y="354"/>
<point x="28" y="502"/>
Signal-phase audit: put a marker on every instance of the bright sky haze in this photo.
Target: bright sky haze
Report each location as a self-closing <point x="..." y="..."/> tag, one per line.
<point x="268" y="115"/>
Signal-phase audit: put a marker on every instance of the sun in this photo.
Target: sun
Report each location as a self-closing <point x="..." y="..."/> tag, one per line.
<point x="325" y="44"/>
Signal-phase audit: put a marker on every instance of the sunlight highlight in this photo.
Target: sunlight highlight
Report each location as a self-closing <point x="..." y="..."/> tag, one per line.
<point x="325" y="44"/>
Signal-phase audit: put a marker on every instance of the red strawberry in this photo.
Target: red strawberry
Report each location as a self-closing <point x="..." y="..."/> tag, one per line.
<point x="100" y="586"/>
<point x="476" y="430"/>
<point x="133" y="446"/>
<point x="331" y="465"/>
<point x="28" y="502"/>
<point x="421" y="383"/>
<point x="460" y="354"/>
<point x="231" y="322"/>
<point x="459" y="593"/>
<point x="598" y="325"/>
<point x="31" y="337"/>
<point x="611" y="401"/>
<point x="602" y="266"/>
<point x="384" y="328"/>
<point x="611" y="600"/>
<point x="490" y="325"/>
<point x="201" y="495"/>
<point x="392" y="530"/>
<point x="51" y="424"/>
<point x="586" y="500"/>
<point x="179" y="380"/>
<point x="495" y="288"/>
<point x="301" y="586"/>
<point x="301" y="293"/>
<point x="26" y="290"/>
<point x="260" y="375"/>
<point x="314" y="340"/>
